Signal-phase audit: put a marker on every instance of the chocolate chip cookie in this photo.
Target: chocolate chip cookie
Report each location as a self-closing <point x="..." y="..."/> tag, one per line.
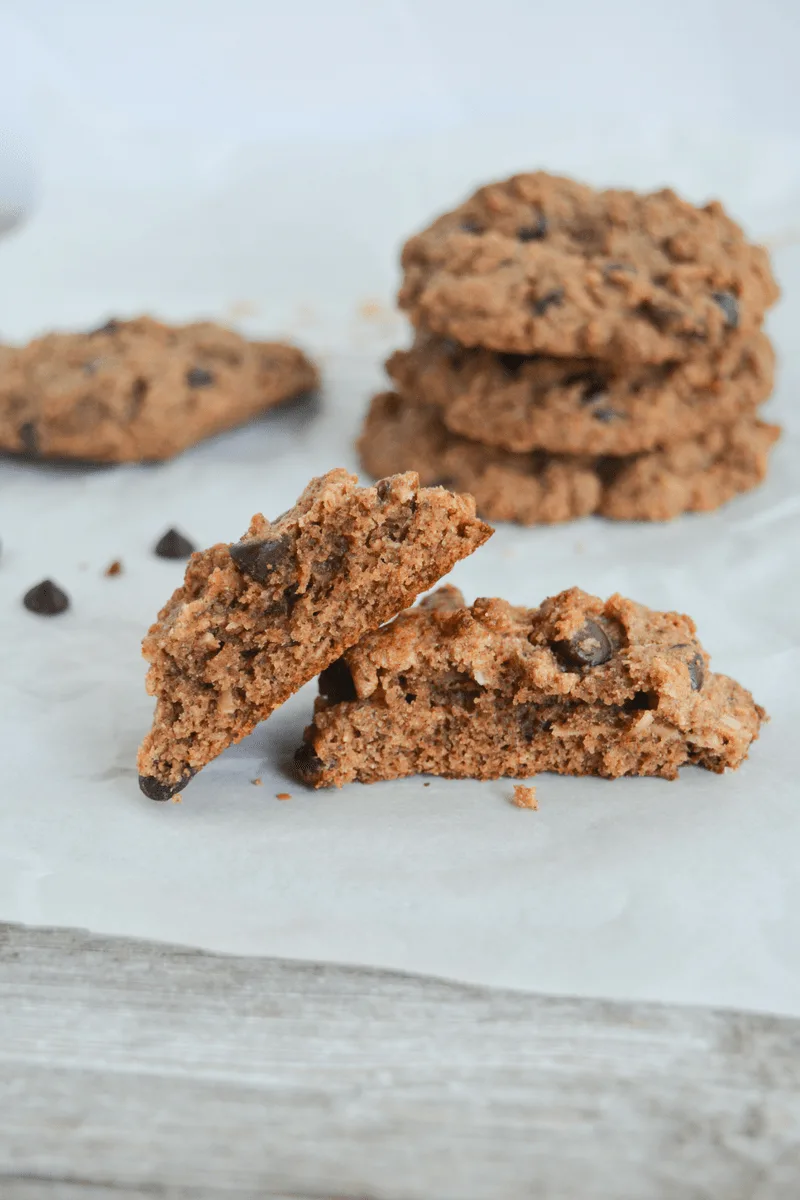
<point x="139" y="390"/>
<point x="577" y="686"/>
<point x="542" y="488"/>
<point x="583" y="406"/>
<point x="255" y="620"/>
<point x="539" y="264"/>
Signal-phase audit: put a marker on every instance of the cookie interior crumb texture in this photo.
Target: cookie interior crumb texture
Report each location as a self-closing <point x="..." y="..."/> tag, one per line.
<point x="255" y="620"/>
<point x="525" y="797"/>
<point x="577" y="686"/>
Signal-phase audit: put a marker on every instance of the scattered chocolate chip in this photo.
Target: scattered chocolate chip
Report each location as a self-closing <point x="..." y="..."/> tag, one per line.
<point x="534" y="232"/>
<point x="110" y="327"/>
<point x="336" y="683"/>
<point x="511" y="364"/>
<point x="384" y="488"/>
<point x="697" y="671"/>
<point x="548" y="300"/>
<point x="589" y="647"/>
<point x="307" y="764"/>
<point x="29" y="438"/>
<point x="730" y="307"/>
<point x="260" y="558"/>
<point x="156" y="789"/>
<point x="198" y="377"/>
<point x="173" y="545"/>
<point x="114" y="568"/>
<point x="46" y="599"/>
<point x="471" y="225"/>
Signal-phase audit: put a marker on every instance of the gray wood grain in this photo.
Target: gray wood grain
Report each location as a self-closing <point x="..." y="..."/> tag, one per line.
<point x="129" y="1070"/>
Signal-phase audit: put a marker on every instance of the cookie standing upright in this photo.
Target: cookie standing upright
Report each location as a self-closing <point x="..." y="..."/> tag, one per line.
<point x="140" y="390"/>
<point x="255" y="620"/>
<point x="577" y="686"/>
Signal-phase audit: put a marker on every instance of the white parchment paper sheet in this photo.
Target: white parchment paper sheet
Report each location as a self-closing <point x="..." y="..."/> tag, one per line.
<point x="639" y="888"/>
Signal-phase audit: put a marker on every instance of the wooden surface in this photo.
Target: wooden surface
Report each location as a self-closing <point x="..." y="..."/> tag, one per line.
<point x="134" y="1070"/>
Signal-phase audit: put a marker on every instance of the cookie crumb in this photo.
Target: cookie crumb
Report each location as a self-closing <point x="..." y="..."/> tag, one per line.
<point x="257" y="782"/>
<point x="283" y="796"/>
<point x="114" y="568"/>
<point x="370" y="310"/>
<point x="426" y="785"/>
<point x="525" y="797"/>
<point x="177" y="798"/>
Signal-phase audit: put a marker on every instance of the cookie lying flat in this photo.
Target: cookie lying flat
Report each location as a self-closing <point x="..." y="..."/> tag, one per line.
<point x="140" y="390"/>
<point x="576" y="686"/>
<point x="582" y="406"/>
<point x="541" y="488"/>
<point x="256" y="620"/>
<point x="542" y="265"/>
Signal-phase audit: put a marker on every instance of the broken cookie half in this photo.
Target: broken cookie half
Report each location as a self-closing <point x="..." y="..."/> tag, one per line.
<point x="577" y="686"/>
<point x="256" y="620"/>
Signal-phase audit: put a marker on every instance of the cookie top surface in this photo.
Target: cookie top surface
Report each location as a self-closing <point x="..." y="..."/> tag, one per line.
<point x="582" y="406"/>
<point x="256" y="619"/>
<point x="540" y="264"/>
<point x="699" y="474"/>
<point x="139" y="389"/>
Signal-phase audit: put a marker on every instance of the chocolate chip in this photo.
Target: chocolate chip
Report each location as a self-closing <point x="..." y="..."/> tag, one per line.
<point x="198" y="377"/>
<point x="383" y="488"/>
<point x="592" y="383"/>
<point x="336" y="683"/>
<point x="471" y="225"/>
<point x="156" y="789"/>
<point x="511" y="364"/>
<point x="548" y="300"/>
<point x="173" y="545"/>
<point x="697" y="671"/>
<point x="46" y="599"/>
<point x="29" y="437"/>
<point x="589" y="647"/>
<point x="110" y="327"/>
<point x="261" y="558"/>
<point x="605" y="415"/>
<point x="730" y="307"/>
<point x="534" y="232"/>
<point x="307" y="764"/>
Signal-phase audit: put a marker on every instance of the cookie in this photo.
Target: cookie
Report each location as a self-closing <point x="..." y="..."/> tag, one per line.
<point x="577" y="686"/>
<point x="255" y="620"/>
<point x="542" y="488"/>
<point x="140" y="390"/>
<point x="583" y="406"/>
<point x="539" y="264"/>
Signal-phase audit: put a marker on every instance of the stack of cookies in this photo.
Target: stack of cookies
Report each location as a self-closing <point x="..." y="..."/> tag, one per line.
<point x="580" y="351"/>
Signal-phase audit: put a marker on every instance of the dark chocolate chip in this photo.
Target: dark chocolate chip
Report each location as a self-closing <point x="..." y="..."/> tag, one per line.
<point x="156" y="789"/>
<point x="383" y="488"/>
<point x="534" y="232"/>
<point x="110" y="327"/>
<point x="336" y="683"/>
<point x="548" y="300"/>
<point x="46" y="599"/>
<point x="173" y="545"/>
<point x="589" y="647"/>
<point x="697" y="671"/>
<point x="198" y="377"/>
<point x="730" y="307"/>
<point x="511" y="364"/>
<point x="29" y="437"/>
<point x="592" y="383"/>
<point x="605" y="415"/>
<point x="262" y="557"/>
<point x="471" y="225"/>
<point x="307" y="764"/>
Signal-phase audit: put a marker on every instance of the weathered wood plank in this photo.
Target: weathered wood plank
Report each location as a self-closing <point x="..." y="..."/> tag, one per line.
<point x="134" y="1070"/>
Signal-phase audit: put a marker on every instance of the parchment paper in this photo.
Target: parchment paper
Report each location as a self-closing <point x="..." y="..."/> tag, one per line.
<point x="687" y="891"/>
